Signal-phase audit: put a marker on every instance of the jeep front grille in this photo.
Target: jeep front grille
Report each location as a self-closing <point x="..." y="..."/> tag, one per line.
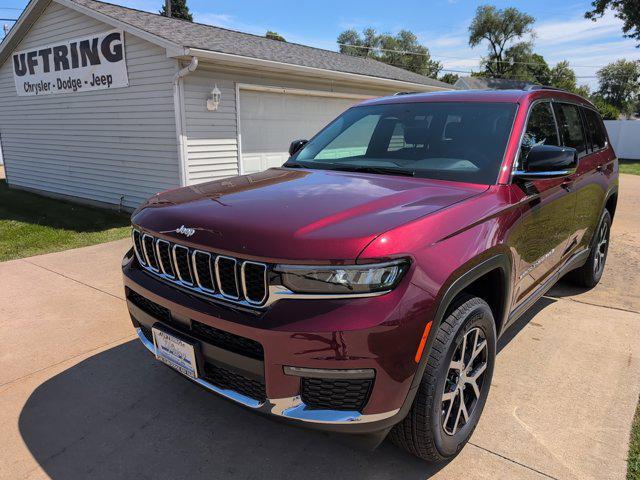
<point x="209" y="274"/>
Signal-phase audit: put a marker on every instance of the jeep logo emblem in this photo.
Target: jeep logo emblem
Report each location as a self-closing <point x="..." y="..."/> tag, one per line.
<point x="186" y="231"/>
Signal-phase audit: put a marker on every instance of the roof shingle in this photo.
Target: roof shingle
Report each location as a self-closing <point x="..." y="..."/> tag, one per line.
<point x="216" y="39"/>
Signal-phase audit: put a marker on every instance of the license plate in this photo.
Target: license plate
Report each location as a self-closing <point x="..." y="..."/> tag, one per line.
<point x="175" y="352"/>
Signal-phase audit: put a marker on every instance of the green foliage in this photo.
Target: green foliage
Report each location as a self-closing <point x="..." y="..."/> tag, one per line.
<point x="633" y="462"/>
<point x="500" y="29"/>
<point x="179" y="9"/>
<point x="401" y="50"/>
<point x="450" y="78"/>
<point x="619" y="84"/>
<point x="626" y="10"/>
<point x="31" y="224"/>
<point x="608" y="111"/>
<point x="274" y="36"/>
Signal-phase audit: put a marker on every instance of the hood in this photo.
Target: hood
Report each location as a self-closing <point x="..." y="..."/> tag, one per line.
<point x="285" y="214"/>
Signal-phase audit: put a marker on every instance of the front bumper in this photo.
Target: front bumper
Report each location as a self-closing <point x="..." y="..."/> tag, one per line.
<point x="291" y="407"/>
<point x="379" y="334"/>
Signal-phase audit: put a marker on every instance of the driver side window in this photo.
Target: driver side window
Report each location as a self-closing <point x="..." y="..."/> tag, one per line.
<point x="541" y="129"/>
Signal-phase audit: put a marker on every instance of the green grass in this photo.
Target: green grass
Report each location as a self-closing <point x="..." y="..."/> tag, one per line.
<point x="630" y="166"/>
<point x="633" y="462"/>
<point x="31" y="224"/>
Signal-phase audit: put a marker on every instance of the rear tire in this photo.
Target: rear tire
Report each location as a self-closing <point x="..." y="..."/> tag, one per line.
<point x="591" y="272"/>
<point x="462" y="355"/>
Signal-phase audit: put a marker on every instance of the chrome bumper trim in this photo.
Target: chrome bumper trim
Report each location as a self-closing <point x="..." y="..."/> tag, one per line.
<point x="289" y="407"/>
<point x="230" y="394"/>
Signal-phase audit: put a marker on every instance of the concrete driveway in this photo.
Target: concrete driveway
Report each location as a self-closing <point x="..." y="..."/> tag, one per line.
<point x="80" y="398"/>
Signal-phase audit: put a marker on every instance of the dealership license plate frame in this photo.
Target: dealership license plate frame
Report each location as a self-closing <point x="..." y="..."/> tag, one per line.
<point x="176" y="351"/>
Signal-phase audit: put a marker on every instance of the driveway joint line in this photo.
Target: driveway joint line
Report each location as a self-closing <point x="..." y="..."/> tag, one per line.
<point x="14" y="380"/>
<point x="72" y="279"/>
<point x="514" y="461"/>
<point x="620" y="309"/>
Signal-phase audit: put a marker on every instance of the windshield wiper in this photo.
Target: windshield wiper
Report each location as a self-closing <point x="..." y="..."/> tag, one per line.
<point x="372" y="169"/>
<point x="294" y="165"/>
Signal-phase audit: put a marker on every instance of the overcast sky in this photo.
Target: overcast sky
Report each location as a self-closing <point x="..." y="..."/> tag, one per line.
<point x="562" y="32"/>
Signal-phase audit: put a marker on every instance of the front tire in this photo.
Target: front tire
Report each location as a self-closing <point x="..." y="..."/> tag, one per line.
<point x="591" y="272"/>
<point x="455" y="385"/>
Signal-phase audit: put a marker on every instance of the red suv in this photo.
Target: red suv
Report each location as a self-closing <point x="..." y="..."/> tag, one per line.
<point x="362" y="286"/>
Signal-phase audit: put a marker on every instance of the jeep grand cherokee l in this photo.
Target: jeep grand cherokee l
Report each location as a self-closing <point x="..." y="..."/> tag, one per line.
<point x="362" y="286"/>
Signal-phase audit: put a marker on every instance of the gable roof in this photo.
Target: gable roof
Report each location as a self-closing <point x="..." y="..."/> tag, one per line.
<point x="188" y="36"/>
<point x="484" y="83"/>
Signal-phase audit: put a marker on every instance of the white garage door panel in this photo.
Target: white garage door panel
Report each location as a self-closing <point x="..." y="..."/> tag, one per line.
<point x="270" y="121"/>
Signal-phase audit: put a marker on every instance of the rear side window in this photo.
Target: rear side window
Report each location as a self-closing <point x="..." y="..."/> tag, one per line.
<point x="570" y="126"/>
<point x="595" y="128"/>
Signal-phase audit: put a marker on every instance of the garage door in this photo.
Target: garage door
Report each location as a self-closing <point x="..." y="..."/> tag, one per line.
<point x="269" y="121"/>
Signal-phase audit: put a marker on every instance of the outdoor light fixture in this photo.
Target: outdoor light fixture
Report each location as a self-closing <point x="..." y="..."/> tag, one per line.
<point x="214" y="100"/>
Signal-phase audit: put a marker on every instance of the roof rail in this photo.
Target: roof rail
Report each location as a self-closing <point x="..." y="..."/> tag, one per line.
<point x="404" y="93"/>
<point x="542" y="87"/>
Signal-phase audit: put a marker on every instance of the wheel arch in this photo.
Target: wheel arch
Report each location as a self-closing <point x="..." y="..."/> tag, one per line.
<point x="472" y="272"/>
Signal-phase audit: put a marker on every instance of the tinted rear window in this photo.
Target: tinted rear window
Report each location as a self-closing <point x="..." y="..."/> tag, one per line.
<point x="570" y="125"/>
<point x="595" y="128"/>
<point x="444" y="140"/>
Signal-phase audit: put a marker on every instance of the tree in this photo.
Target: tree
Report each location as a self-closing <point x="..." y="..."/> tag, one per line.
<point x="401" y="50"/>
<point x="500" y="28"/>
<point x="450" y="78"/>
<point x="619" y="84"/>
<point x="179" y="9"/>
<point x="274" y="36"/>
<point x="608" y="111"/>
<point x="626" y="10"/>
<point x="352" y="43"/>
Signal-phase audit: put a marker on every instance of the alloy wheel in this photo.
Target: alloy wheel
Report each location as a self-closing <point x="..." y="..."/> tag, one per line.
<point x="601" y="248"/>
<point x="465" y="380"/>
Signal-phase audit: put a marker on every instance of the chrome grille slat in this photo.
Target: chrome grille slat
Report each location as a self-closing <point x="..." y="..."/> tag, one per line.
<point x="249" y="289"/>
<point x="167" y="263"/>
<point x="185" y="275"/>
<point x="163" y="253"/>
<point x="204" y="279"/>
<point x="148" y="247"/>
<point x="227" y="289"/>
<point x="137" y="246"/>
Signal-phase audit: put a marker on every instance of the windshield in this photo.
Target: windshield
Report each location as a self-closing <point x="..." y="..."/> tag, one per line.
<point x="456" y="141"/>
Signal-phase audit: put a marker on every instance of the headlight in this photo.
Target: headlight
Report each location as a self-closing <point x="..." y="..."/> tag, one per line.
<point x="347" y="279"/>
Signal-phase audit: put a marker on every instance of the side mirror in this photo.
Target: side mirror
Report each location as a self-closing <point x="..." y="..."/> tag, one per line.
<point x="548" y="161"/>
<point x="296" y="145"/>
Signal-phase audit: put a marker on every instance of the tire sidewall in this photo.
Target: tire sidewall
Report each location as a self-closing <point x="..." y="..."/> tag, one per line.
<point x="449" y="445"/>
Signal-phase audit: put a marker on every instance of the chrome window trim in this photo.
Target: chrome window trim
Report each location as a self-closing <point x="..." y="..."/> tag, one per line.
<point x="195" y="271"/>
<point x="160" y="264"/>
<point x="135" y="247"/>
<point x="146" y="254"/>
<point x="235" y="267"/>
<point x="177" y="269"/>
<point x="243" y="280"/>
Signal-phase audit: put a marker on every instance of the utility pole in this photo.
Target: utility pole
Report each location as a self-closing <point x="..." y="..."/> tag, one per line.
<point x="5" y="27"/>
<point x="167" y="7"/>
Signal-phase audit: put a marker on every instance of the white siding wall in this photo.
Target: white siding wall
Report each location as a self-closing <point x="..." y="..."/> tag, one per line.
<point x="97" y="145"/>
<point x="625" y="137"/>
<point x="212" y="149"/>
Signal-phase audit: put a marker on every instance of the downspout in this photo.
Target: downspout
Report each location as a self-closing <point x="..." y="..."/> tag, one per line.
<point x="178" y="106"/>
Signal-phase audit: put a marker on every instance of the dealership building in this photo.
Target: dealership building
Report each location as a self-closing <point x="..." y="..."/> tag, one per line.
<point x="109" y="105"/>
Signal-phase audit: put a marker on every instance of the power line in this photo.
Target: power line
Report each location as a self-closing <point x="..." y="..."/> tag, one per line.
<point x="409" y="52"/>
